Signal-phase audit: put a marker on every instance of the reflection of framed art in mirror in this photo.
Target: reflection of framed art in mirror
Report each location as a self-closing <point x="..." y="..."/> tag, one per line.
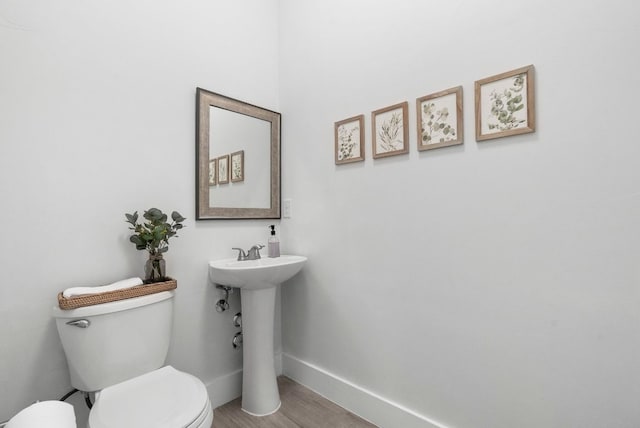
<point x="223" y="169"/>
<point x="213" y="179"/>
<point x="237" y="166"/>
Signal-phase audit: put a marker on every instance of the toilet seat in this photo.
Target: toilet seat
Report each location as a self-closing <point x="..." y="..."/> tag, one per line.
<point x="163" y="398"/>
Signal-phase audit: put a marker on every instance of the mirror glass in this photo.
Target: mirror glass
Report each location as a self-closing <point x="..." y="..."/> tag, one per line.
<point x="238" y="165"/>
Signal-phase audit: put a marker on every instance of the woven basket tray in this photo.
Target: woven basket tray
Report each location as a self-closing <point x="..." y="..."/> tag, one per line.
<point x="111" y="296"/>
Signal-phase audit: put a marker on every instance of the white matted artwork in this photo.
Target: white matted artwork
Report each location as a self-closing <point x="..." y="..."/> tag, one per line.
<point x="237" y="166"/>
<point x="505" y="104"/>
<point x="212" y="172"/>
<point x="440" y="119"/>
<point x="349" y="140"/>
<point x="389" y="126"/>
<point x="223" y="169"/>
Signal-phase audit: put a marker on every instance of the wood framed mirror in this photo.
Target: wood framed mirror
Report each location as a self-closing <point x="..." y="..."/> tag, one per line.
<point x="230" y="186"/>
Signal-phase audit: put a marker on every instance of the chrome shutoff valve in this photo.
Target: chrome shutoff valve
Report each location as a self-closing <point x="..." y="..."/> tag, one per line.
<point x="223" y="304"/>
<point x="237" y="340"/>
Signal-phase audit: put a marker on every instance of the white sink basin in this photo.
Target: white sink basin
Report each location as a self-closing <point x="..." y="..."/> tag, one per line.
<point x="255" y="274"/>
<point x="257" y="280"/>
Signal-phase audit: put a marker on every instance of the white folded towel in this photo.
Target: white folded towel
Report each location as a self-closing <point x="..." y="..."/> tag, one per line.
<point x="119" y="285"/>
<point x="50" y="414"/>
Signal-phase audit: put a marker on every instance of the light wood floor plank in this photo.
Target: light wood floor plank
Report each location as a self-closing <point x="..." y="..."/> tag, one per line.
<point x="301" y="408"/>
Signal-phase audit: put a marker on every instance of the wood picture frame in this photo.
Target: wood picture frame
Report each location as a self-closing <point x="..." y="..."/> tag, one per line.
<point x="213" y="176"/>
<point x="349" y="140"/>
<point x="213" y="179"/>
<point x="223" y="169"/>
<point x="505" y="104"/>
<point x="390" y="130"/>
<point x="237" y="166"/>
<point x="439" y="119"/>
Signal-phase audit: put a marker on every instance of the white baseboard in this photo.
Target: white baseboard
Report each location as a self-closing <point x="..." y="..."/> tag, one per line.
<point x="225" y="388"/>
<point x="368" y="405"/>
<point x="228" y="387"/>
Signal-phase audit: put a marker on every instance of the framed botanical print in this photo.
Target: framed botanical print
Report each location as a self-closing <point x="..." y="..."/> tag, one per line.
<point x="237" y="166"/>
<point x="223" y="169"/>
<point x="440" y="119"/>
<point x="349" y="140"/>
<point x="505" y="104"/>
<point x="212" y="172"/>
<point x="390" y="131"/>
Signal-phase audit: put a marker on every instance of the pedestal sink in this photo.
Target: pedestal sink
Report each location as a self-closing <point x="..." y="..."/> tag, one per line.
<point x="257" y="280"/>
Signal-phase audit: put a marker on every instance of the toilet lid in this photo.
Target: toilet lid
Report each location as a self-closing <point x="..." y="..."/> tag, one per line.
<point x="164" y="398"/>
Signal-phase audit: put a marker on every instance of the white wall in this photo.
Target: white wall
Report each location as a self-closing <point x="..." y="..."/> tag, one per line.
<point x="97" y="118"/>
<point x="492" y="284"/>
<point x="484" y="285"/>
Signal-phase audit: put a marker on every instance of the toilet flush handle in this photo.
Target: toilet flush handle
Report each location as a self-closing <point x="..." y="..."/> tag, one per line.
<point x="80" y="323"/>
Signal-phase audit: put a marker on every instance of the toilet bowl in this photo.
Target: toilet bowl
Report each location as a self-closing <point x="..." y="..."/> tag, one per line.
<point x="162" y="398"/>
<point x="50" y="414"/>
<point x="117" y="351"/>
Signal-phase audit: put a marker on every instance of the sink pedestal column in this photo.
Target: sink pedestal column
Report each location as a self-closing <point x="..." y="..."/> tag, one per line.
<point x="260" y="395"/>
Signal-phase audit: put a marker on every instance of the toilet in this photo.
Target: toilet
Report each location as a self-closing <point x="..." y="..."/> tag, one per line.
<point x="117" y="351"/>
<point x="50" y="414"/>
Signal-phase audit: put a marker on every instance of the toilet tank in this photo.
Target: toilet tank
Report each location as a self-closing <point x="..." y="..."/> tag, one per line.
<point x="111" y="342"/>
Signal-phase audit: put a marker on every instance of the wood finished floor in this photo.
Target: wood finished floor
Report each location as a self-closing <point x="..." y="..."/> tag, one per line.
<point x="301" y="408"/>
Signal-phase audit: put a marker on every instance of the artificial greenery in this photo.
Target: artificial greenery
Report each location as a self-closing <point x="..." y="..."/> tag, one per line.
<point x="154" y="233"/>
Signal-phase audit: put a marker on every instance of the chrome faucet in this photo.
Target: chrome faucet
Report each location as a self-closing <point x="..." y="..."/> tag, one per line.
<point x="252" y="254"/>
<point x="241" y="254"/>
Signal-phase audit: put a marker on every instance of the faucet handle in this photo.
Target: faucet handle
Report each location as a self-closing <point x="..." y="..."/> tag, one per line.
<point x="241" y="254"/>
<point x="254" y="252"/>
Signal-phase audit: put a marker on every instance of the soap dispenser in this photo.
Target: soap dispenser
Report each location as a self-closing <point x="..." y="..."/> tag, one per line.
<point x="273" y="244"/>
